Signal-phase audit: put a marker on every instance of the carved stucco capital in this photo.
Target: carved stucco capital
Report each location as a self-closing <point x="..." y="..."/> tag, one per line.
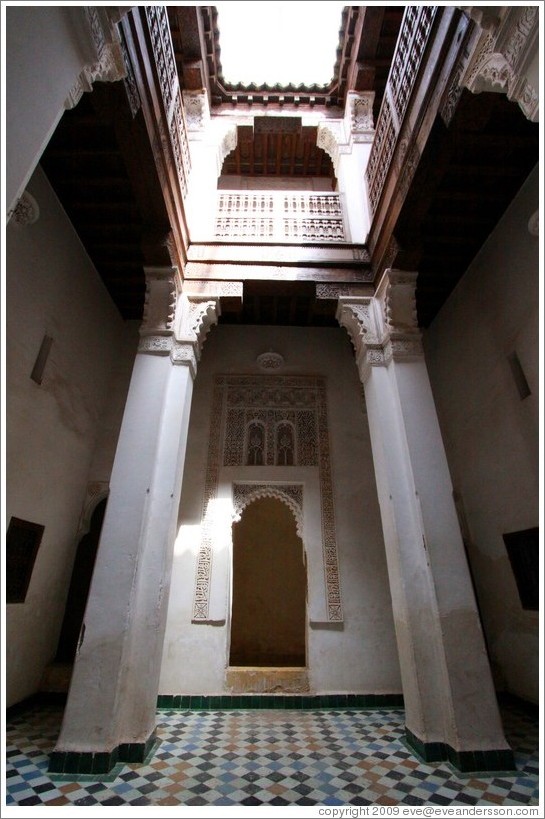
<point x="226" y="142"/>
<point x="195" y="315"/>
<point x="99" y="39"/>
<point x="159" y="301"/>
<point x="332" y="140"/>
<point x="196" y="110"/>
<point x="504" y="57"/>
<point x="383" y="327"/>
<point x="396" y="293"/>
<point x="359" y="116"/>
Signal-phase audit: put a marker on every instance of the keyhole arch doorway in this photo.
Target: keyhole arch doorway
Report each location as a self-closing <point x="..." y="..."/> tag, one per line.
<point x="269" y="587"/>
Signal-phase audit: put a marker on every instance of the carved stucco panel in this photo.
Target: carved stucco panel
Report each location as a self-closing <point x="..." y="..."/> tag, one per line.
<point x="269" y="399"/>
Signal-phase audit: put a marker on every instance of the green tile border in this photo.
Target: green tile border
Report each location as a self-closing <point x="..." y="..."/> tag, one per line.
<point x="305" y="702"/>
<point x="75" y="764"/>
<point x="489" y="762"/>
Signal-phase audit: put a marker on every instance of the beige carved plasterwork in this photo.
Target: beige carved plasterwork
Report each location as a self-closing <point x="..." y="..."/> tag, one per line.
<point x="290" y="494"/>
<point x="107" y="64"/>
<point x="503" y="54"/>
<point x="270" y="400"/>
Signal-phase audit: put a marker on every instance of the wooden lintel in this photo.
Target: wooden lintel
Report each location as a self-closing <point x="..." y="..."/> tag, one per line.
<point x="271" y="272"/>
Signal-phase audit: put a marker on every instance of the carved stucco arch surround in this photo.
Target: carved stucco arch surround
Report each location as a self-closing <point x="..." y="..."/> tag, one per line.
<point x="290" y="494"/>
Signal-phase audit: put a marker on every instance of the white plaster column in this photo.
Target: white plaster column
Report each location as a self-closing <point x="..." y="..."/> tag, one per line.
<point x="348" y="142"/>
<point x="210" y="141"/>
<point x="110" y="713"/>
<point x="451" y="709"/>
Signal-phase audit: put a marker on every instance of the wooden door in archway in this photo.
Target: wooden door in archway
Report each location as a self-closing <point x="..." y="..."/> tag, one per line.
<point x="268" y="617"/>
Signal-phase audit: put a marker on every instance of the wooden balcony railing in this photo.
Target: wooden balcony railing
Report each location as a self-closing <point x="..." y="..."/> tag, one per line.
<point x="277" y="216"/>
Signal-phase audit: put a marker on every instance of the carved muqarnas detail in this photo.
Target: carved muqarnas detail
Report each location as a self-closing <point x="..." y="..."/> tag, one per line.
<point x="273" y="407"/>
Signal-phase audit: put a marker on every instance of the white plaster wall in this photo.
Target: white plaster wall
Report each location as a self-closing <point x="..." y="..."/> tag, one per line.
<point x="43" y="61"/>
<point x="491" y="435"/>
<point x="54" y="430"/>
<point x="276" y="183"/>
<point x="362" y="656"/>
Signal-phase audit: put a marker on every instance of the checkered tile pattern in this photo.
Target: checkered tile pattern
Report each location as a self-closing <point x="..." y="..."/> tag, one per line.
<point x="270" y="758"/>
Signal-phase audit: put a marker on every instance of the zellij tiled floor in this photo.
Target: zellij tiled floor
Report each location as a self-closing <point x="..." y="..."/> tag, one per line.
<point x="286" y="757"/>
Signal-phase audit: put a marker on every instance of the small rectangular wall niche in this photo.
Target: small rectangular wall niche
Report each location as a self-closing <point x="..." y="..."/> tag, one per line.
<point x="523" y="550"/>
<point x="22" y="543"/>
<point x="37" y="373"/>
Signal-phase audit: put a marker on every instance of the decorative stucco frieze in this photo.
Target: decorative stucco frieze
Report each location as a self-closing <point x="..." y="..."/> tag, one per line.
<point x="101" y="37"/>
<point x="26" y="211"/>
<point x="155" y="345"/>
<point x="334" y="291"/>
<point x="213" y="289"/>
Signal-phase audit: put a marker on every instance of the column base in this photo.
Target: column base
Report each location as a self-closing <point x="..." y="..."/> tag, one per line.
<point x="99" y="762"/>
<point x="464" y="761"/>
